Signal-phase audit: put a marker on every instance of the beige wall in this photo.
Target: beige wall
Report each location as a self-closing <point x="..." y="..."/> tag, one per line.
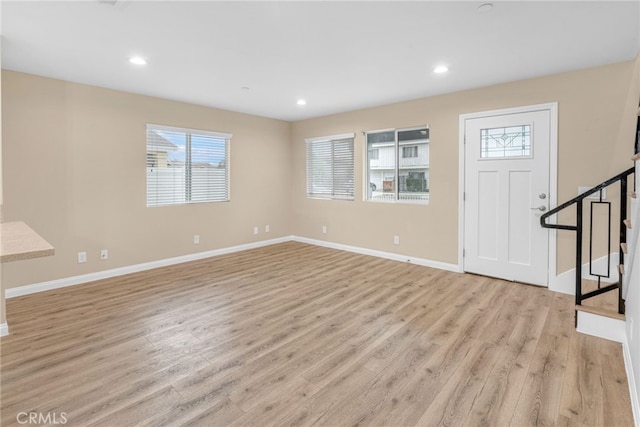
<point x="633" y="295"/>
<point x="595" y="142"/>
<point x="3" y="316"/>
<point x="74" y="159"/>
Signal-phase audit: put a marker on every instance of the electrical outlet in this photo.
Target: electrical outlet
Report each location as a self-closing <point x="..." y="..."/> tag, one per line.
<point x="267" y="228"/>
<point x="256" y="230"/>
<point x="396" y="240"/>
<point x="196" y="239"/>
<point x="82" y="257"/>
<point x="104" y="254"/>
<point x="324" y="229"/>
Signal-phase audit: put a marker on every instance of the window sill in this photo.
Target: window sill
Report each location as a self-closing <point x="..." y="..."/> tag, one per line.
<point x="400" y="202"/>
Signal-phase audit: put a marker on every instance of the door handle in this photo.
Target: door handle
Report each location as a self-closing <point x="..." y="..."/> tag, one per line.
<point x="541" y="208"/>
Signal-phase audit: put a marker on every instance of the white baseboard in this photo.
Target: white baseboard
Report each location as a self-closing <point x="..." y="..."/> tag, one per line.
<point x="91" y="277"/>
<point x="633" y="391"/>
<point x="85" y="278"/>
<point x="602" y="327"/>
<point x="566" y="282"/>
<point x="4" y="329"/>
<point x="380" y="254"/>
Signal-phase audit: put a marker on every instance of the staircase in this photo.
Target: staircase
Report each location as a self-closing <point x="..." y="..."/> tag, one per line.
<point x="601" y="282"/>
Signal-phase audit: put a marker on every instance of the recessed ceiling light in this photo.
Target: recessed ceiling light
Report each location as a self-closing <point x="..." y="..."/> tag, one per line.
<point x="245" y="88"/>
<point x="484" y="8"/>
<point x="301" y="102"/>
<point x="138" y="60"/>
<point x="440" y="69"/>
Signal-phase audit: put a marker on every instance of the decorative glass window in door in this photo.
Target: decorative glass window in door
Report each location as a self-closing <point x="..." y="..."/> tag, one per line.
<point x="505" y="142"/>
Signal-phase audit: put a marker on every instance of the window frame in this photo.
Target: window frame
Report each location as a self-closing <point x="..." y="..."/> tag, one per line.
<point x="396" y="145"/>
<point x="189" y="133"/>
<point x="330" y="139"/>
<point x="411" y="149"/>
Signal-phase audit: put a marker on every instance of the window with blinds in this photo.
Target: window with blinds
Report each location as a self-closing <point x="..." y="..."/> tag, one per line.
<point x="330" y="167"/>
<point x="186" y="166"/>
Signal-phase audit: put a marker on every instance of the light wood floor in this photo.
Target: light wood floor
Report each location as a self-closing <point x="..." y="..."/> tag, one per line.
<point x="294" y="334"/>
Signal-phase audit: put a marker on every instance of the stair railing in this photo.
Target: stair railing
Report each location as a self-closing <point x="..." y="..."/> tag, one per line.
<point x="578" y="228"/>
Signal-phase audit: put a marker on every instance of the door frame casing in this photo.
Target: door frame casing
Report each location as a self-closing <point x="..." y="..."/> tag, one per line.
<point x="552" y="108"/>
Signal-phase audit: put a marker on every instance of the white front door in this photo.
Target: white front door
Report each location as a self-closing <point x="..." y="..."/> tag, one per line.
<point x="506" y="190"/>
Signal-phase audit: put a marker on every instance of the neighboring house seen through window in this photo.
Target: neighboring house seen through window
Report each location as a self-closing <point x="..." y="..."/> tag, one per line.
<point x="398" y="165"/>
<point x="186" y="166"/>
<point x="330" y="167"/>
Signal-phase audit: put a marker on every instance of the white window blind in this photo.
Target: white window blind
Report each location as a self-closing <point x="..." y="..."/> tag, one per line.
<point x="330" y="167"/>
<point x="186" y="166"/>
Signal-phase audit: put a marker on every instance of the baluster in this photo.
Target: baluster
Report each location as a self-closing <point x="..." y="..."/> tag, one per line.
<point x="579" y="252"/>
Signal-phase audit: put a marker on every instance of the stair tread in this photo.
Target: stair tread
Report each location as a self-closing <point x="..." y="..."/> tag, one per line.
<point x="621" y="269"/>
<point x="623" y="246"/>
<point x="607" y="301"/>
<point x="600" y="311"/>
<point x="627" y="222"/>
<point x="632" y="194"/>
<point x="635" y="157"/>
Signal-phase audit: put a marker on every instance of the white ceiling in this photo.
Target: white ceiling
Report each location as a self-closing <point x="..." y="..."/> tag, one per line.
<point x="338" y="56"/>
